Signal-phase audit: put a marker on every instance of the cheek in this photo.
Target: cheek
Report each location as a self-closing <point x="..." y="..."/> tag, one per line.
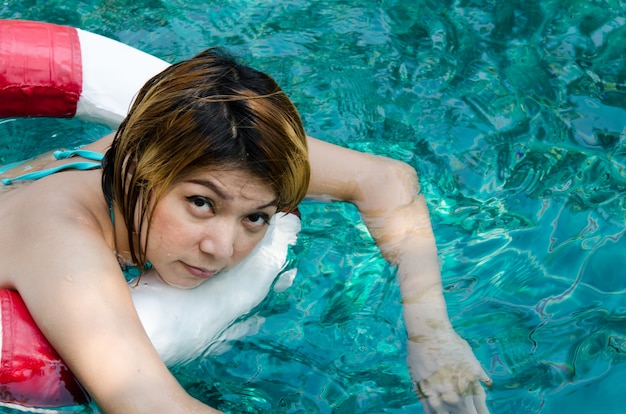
<point x="166" y="228"/>
<point x="245" y="246"/>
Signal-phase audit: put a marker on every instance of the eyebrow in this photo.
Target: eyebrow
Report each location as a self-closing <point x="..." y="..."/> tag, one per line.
<point x="211" y="186"/>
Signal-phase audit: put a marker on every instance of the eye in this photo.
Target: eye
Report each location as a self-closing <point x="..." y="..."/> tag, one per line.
<point x="258" y="220"/>
<point x="203" y="204"/>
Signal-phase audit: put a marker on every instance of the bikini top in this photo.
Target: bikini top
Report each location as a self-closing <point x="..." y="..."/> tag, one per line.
<point x="95" y="161"/>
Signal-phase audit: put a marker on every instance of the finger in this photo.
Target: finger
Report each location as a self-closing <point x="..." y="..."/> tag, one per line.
<point x="451" y="398"/>
<point x="476" y="403"/>
<point x="423" y="398"/>
<point x="488" y="382"/>
<point x="430" y="399"/>
<point x="463" y="405"/>
<point x="426" y="406"/>
<point x="475" y="388"/>
<point x="484" y="378"/>
<point x="480" y="402"/>
<point x="419" y="391"/>
<point x="437" y="405"/>
<point x="472" y="403"/>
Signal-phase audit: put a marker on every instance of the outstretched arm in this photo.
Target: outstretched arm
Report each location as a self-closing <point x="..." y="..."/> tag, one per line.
<point x="442" y="365"/>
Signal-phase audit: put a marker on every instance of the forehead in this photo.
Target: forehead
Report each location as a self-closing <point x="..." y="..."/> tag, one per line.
<point x="232" y="183"/>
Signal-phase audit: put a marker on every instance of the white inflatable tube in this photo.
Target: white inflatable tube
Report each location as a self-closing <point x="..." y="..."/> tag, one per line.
<point x="183" y="324"/>
<point x="113" y="73"/>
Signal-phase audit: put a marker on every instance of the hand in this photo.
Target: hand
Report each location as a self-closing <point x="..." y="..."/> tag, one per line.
<point x="447" y="375"/>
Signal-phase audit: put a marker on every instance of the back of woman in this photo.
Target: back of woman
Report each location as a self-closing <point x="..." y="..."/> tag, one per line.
<point x="62" y="202"/>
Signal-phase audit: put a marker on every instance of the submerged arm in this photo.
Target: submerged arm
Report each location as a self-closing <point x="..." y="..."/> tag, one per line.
<point x="386" y="193"/>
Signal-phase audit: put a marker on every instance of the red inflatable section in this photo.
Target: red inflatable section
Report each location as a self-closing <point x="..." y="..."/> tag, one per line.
<point x="31" y="371"/>
<point x="40" y="69"/>
<point x="40" y="75"/>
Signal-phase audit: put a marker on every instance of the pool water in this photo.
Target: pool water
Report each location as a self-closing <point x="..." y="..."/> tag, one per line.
<point x="514" y="115"/>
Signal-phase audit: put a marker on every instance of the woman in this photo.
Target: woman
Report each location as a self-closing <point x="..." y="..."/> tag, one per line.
<point x="209" y="152"/>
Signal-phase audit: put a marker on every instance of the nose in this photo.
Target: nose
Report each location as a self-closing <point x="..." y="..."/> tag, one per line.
<point x="219" y="239"/>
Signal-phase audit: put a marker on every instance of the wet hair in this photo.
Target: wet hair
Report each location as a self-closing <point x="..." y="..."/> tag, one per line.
<point x="208" y="112"/>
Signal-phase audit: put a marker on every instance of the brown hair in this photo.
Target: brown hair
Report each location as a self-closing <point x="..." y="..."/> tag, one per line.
<point x="205" y="112"/>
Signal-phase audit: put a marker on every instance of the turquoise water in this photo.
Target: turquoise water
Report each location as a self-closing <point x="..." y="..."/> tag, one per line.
<point x="514" y="115"/>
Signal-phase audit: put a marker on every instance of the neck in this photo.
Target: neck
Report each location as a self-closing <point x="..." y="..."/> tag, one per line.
<point x="120" y="235"/>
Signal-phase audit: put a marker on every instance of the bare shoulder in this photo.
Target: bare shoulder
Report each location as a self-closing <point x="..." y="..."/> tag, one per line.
<point x="62" y="216"/>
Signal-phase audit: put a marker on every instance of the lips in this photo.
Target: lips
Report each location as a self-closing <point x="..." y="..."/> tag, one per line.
<point x="199" y="272"/>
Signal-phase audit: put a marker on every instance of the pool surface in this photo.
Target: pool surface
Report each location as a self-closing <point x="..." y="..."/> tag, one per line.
<point x="514" y="115"/>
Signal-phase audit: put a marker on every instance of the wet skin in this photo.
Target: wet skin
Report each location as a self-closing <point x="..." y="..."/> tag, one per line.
<point x="207" y="223"/>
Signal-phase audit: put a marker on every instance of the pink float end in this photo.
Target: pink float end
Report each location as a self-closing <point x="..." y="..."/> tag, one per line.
<point x="40" y="69"/>
<point x="31" y="371"/>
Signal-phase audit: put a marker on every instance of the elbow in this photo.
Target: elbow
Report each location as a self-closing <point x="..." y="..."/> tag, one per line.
<point x="406" y="175"/>
<point x="387" y="183"/>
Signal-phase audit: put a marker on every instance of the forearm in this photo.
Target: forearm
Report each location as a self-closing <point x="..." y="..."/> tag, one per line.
<point x="163" y="401"/>
<point x="405" y="237"/>
<point x="420" y="286"/>
<point x="387" y="194"/>
<point x="119" y="380"/>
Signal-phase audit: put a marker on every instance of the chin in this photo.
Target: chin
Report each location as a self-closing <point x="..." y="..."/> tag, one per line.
<point x="190" y="285"/>
<point x="184" y="284"/>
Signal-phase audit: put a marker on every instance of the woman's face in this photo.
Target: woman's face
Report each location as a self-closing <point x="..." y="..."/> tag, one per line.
<point x="207" y="223"/>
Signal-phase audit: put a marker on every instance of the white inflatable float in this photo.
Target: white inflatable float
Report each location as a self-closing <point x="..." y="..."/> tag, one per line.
<point x="60" y="71"/>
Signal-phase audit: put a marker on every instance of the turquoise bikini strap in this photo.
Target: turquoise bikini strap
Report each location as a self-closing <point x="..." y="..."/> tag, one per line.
<point x="62" y="155"/>
<point x="81" y="165"/>
<point x="86" y="154"/>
